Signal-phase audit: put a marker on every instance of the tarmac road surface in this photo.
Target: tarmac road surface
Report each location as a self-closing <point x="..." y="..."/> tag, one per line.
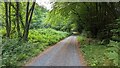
<point x="64" y="53"/>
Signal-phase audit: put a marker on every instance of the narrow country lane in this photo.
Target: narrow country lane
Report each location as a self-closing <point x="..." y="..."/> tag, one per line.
<point x="64" y="53"/>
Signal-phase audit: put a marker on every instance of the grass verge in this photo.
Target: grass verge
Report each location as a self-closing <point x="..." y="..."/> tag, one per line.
<point x="97" y="54"/>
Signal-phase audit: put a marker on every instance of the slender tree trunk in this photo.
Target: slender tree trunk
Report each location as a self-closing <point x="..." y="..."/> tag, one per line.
<point x="28" y="20"/>
<point x="7" y="20"/>
<point x="17" y="19"/>
<point x="20" y="16"/>
<point x="32" y="9"/>
<point x="26" y="24"/>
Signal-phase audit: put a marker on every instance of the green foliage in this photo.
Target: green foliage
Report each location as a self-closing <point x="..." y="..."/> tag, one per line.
<point x="92" y="17"/>
<point x="82" y="40"/>
<point x="40" y="35"/>
<point x="36" y="22"/>
<point x="112" y="52"/>
<point x="38" y="16"/>
<point x="2" y="31"/>
<point x="99" y="20"/>
<point x="100" y="55"/>
<point x="116" y="31"/>
<point x="16" y="53"/>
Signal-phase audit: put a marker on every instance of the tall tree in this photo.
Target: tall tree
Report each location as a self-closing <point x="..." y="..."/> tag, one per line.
<point x="17" y="19"/>
<point x="29" y="13"/>
<point x="94" y="17"/>
<point x="8" y="18"/>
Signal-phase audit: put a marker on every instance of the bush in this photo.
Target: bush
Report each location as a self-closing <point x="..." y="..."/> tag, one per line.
<point x="112" y="52"/>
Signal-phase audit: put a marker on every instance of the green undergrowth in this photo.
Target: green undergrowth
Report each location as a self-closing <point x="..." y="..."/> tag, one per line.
<point x="97" y="54"/>
<point x="17" y="53"/>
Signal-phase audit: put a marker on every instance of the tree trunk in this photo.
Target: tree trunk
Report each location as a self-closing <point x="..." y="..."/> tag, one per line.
<point x="28" y="20"/>
<point x="26" y="24"/>
<point x="7" y="20"/>
<point x="17" y="19"/>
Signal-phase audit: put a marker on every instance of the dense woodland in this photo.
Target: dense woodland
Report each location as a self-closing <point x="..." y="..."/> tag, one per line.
<point x="98" y="24"/>
<point x="27" y="29"/>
